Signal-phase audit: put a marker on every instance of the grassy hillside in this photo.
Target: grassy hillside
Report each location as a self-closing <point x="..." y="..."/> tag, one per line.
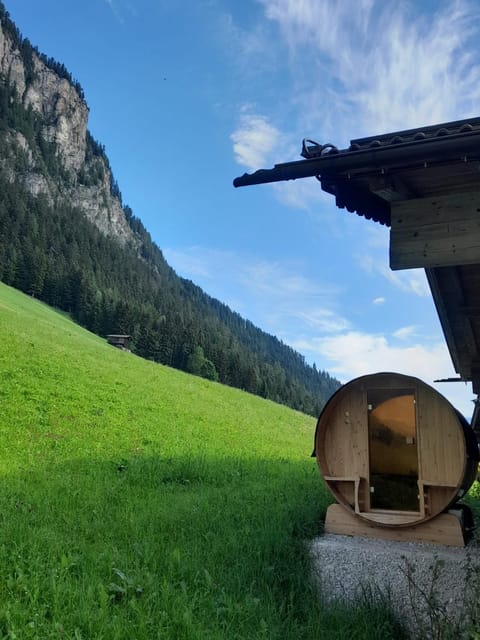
<point x="138" y="502"/>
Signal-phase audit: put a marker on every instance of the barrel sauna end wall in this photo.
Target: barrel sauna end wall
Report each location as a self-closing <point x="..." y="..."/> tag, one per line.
<point x="393" y="451"/>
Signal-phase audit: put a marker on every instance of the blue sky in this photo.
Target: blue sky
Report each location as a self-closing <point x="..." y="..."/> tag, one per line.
<point x="187" y="95"/>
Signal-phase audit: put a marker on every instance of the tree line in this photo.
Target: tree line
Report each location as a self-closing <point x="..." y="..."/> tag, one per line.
<point x="58" y="256"/>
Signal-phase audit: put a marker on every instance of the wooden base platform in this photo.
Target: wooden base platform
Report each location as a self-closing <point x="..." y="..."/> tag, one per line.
<point x="446" y="528"/>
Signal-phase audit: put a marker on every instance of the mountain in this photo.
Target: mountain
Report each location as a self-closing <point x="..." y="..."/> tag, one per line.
<point x="67" y="238"/>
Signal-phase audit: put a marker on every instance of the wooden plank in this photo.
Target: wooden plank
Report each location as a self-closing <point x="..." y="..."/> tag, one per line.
<point x="435" y="209"/>
<point x="390" y="187"/>
<point x="448" y="290"/>
<point x="447" y="249"/>
<point x="342" y="447"/>
<point x="441" y="441"/>
<point x="438" y="497"/>
<point x="444" y="529"/>
<point x="392" y="518"/>
<point x="435" y="231"/>
<point x="346" y="444"/>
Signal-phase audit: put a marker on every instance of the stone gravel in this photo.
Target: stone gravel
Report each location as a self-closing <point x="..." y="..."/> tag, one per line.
<point x="431" y="588"/>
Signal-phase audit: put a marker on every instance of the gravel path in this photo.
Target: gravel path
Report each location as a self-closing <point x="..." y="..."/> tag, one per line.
<point x="429" y="586"/>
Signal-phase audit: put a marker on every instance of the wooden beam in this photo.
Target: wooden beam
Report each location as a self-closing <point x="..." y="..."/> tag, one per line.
<point x="470" y="311"/>
<point x="445" y="528"/>
<point x="390" y="188"/>
<point x="435" y="231"/>
<point x="448" y="296"/>
<point x="476" y="379"/>
<point x="476" y="419"/>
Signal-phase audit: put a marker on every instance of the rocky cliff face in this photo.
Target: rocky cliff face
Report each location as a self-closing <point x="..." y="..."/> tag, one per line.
<point x="86" y="177"/>
<point x="64" y="113"/>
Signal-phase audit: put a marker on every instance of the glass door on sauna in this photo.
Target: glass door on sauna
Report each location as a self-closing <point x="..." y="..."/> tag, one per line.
<point x="393" y="455"/>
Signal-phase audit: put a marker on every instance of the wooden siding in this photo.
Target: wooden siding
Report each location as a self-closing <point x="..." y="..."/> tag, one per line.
<point x="435" y="231"/>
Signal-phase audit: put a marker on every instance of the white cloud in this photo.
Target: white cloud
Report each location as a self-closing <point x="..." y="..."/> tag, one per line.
<point x="300" y="194"/>
<point x="379" y="64"/>
<point x="254" y="140"/>
<point x="279" y="280"/>
<point x="243" y="43"/>
<point x="322" y="320"/>
<point x="258" y="144"/>
<point x="377" y="236"/>
<point x="355" y="67"/>
<point x="379" y="300"/>
<point x="405" y="333"/>
<point x="410" y="281"/>
<point x="354" y="353"/>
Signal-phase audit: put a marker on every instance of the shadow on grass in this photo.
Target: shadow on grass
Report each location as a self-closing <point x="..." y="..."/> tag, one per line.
<point x="151" y="547"/>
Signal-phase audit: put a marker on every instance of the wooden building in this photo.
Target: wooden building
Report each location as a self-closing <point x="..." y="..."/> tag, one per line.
<point x="392" y="451"/>
<point x="121" y="341"/>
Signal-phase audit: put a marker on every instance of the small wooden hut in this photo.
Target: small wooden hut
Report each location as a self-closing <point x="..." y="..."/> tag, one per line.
<point x="121" y="341"/>
<point x="393" y="451"/>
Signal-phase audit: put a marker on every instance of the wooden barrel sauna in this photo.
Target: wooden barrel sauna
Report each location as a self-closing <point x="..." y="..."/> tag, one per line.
<point x="393" y="451"/>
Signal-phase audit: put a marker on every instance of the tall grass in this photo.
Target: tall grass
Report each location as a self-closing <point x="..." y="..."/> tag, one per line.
<point x="138" y="502"/>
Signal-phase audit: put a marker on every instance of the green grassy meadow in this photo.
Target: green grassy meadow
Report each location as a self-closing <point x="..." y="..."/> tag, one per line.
<point x="139" y="502"/>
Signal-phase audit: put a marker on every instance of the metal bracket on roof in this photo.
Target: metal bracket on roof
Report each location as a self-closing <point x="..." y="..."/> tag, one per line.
<point x="315" y="149"/>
